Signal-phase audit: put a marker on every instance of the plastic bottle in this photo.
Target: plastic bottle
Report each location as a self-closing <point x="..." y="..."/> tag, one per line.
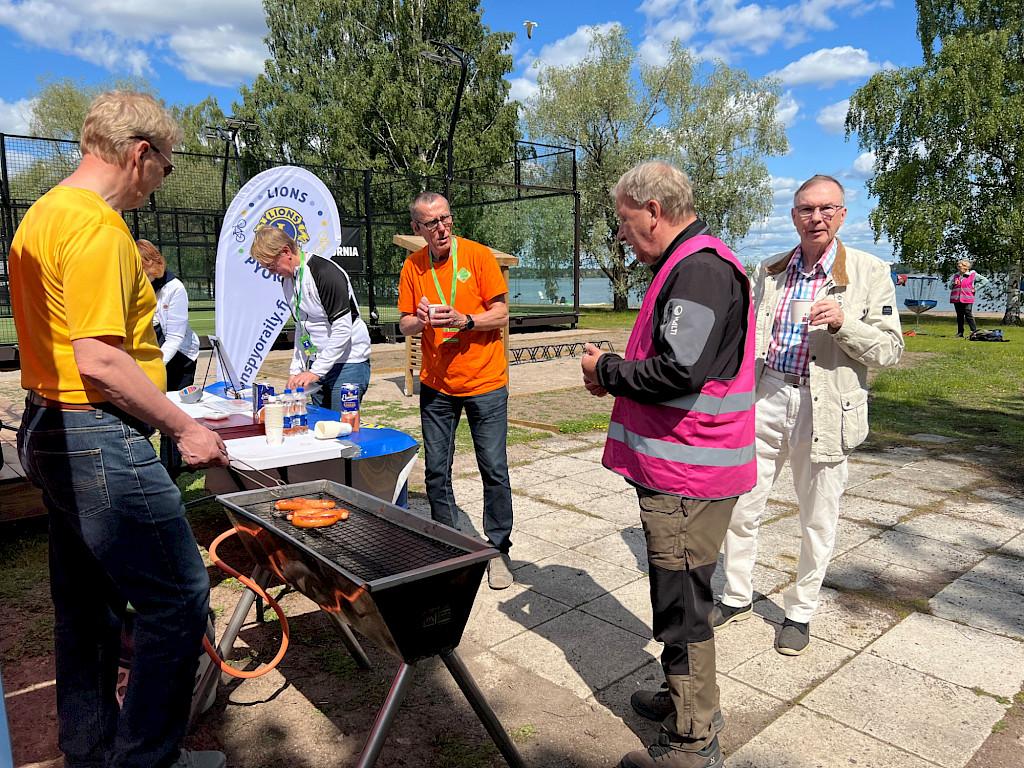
<point x="300" y="413"/>
<point x="289" y="410"/>
<point x="273" y="412"/>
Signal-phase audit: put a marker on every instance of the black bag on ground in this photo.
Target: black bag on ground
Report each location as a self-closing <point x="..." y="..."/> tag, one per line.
<point x="993" y="335"/>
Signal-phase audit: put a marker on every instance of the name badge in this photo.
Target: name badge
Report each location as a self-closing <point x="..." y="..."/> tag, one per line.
<point x="449" y="335"/>
<point x="307" y="344"/>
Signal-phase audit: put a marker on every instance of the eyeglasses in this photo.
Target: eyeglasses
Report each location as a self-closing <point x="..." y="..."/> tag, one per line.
<point x="152" y="145"/>
<point x="827" y="211"/>
<point x="435" y="223"/>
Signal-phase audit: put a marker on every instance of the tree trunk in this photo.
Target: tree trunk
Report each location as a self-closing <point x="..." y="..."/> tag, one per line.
<point x="620" y="301"/>
<point x="1012" y="314"/>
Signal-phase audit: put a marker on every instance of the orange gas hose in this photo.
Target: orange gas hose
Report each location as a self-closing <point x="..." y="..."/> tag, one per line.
<point x="208" y="646"/>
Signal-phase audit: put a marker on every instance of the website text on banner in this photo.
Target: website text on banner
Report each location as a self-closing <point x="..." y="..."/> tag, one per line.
<point x="250" y="309"/>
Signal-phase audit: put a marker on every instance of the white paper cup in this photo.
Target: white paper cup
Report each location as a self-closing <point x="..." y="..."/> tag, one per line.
<point x="328" y="430"/>
<point x="432" y="311"/>
<point x="800" y="311"/>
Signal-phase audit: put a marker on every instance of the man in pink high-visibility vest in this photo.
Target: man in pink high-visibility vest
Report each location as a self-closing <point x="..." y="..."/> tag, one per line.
<point x="682" y="433"/>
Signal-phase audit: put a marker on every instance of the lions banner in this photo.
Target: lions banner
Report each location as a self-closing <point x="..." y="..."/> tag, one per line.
<point x="250" y="307"/>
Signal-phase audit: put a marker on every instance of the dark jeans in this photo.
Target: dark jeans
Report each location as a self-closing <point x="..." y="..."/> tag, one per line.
<point x="329" y="395"/>
<point x="964" y="312"/>
<point x="118" y="534"/>
<point x="180" y="373"/>
<point x="488" y="422"/>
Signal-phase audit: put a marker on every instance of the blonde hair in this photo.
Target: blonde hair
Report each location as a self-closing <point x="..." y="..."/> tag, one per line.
<point x="268" y="243"/>
<point x="117" y="118"/>
<point x="659" y="181"/>
<point x="152" y="260"/>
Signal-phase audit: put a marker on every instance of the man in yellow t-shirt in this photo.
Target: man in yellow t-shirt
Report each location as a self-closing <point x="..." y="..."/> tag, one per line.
<point x="452" y="292"/>
<point x="83" y="308"/>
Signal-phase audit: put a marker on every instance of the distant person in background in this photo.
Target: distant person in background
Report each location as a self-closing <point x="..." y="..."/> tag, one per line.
<point x="964" y="283"/>
<point x="332" y="342"/>
<point x="179" y="344"/>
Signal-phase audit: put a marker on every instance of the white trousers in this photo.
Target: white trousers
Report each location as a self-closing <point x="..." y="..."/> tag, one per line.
<point x="784" y="430"/>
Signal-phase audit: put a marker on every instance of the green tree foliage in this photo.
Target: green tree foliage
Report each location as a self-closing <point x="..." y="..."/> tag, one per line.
<point x="346" y="85"/>
<point x="948" y="139"/>
<point x="717" y="124"/>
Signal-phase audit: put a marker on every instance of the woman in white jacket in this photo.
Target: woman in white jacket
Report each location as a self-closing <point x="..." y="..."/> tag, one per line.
<point x="178" y="342"/>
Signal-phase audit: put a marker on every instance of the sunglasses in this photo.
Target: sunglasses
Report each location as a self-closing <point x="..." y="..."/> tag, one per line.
<point x="169" y="167"/>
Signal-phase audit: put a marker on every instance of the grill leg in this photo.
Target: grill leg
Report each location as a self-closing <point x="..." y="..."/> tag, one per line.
<point x="381" y="726"/>
<point x="483" y="710"/>
<point x="349" y="639"/>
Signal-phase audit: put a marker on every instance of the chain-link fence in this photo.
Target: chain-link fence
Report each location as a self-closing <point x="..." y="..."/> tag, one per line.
<point x="527" y="207"/>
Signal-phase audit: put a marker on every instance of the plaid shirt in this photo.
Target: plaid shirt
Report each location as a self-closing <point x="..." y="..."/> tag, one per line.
<point x="788" y="348"/>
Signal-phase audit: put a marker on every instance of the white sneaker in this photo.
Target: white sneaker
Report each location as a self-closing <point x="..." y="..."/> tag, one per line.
<point x="193" y="759"/>
<point x="499" y="575"/>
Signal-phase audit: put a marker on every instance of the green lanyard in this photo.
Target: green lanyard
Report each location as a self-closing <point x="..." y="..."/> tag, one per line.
<point x="305" y="343"/>
<point x="455" y="275"/>
<point x="298" y="286"/>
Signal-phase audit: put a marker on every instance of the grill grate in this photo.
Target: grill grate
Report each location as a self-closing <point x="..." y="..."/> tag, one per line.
<point x="366" y="545"/>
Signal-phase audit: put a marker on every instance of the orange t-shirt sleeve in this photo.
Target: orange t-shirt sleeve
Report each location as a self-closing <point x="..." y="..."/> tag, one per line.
<point x="98" y="271"/>
<point x="407" y="299"/>
<point x="489" y="280"/>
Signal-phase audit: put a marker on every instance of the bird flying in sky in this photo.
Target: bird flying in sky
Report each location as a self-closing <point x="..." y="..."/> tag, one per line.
<point x="529" y="28"/>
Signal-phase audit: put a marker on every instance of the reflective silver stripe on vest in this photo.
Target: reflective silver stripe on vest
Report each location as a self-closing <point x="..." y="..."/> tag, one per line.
<point x="711" y="405"/>
<point x="679" y="453"/>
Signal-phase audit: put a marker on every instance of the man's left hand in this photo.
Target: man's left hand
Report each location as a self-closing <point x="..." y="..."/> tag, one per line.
<point x="303" y="379"/>
<point x="588" y="362"/>
<point x="827" y="312"/>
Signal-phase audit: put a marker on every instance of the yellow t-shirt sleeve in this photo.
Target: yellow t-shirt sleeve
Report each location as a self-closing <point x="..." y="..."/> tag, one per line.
<point x="99" y="268"/>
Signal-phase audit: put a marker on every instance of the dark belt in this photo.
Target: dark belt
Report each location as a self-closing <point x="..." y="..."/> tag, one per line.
<point x="44" y="402"/>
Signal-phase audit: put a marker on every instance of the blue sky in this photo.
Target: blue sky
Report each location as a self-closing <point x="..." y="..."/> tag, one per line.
<point x="821" y="50"/>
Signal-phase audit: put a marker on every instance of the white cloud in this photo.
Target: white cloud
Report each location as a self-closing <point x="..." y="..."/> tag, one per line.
<point x="864" y="165"/>
<point x="828" y="66"/>
<point x="217" y="43"/>
<point x="654" y="48"/>
<point x="565" y="52"/>
<point x="750" y="26"/>
<point x="522" y="89"/>
<point x="833" y="117"/>
<point x="14" y="116"/>
<point x="787" y="109"/>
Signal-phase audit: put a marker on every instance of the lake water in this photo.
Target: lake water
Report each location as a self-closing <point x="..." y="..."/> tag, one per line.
<point x="597" y="291"/>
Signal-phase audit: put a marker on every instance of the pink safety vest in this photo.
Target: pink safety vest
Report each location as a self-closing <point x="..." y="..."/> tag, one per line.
<point x="700" y="445"/>
<point x="963" y="288"/>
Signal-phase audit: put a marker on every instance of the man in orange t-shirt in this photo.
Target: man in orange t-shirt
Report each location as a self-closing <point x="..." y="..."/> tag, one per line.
<point x="452" y="293"/>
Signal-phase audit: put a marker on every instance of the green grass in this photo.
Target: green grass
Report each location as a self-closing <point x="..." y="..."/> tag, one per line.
<point x="607" y="319"/>
<point x="591" y="423"/>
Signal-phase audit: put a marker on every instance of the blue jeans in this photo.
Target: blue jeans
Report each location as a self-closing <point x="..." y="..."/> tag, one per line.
<point x="488" y="422"/>
<point x="118" y="534"/>
<point x="329" y="395"/>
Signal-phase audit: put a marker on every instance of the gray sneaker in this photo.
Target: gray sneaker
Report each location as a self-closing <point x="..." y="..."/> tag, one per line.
<point x="657" y="705"/>
<point x="794" y="637"/>
<point x="499" y="574"/>
<point x="209" y="759"/>
<point x="723" y="614"/>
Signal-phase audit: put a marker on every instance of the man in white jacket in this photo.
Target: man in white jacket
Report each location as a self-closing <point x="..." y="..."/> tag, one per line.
<point x="825" y="312"/>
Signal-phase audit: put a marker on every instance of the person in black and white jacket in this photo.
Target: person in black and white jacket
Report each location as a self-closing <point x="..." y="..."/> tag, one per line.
<point x="178" y="342"/>
<point x="332" y="343"/>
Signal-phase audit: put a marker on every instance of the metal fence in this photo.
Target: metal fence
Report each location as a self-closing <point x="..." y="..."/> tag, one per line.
<point x="527" y="207"/>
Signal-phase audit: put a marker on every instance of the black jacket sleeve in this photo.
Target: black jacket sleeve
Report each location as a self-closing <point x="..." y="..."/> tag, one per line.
<point x="699" y="327"/>
<point x="332" y="285"/>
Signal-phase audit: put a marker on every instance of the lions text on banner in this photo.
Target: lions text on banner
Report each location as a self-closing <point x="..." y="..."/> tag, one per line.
<point x="250" y="307"/>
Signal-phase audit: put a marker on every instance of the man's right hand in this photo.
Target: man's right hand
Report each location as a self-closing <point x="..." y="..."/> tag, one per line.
<point x="201" y="447"/>
<point x="423" y="311"/>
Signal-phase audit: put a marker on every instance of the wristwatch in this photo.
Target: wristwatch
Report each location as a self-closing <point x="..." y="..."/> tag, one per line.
<point x="470" y="324"/>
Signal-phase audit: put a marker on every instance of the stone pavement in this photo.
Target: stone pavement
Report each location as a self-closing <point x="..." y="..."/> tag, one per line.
<point x="917" y="647"/>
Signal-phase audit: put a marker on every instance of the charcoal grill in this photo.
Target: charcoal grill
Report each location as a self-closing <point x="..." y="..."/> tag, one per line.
<point x="406" y="583"/>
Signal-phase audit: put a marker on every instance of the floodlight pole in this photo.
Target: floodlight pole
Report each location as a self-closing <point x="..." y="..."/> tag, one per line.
<point x="460" y="59"/>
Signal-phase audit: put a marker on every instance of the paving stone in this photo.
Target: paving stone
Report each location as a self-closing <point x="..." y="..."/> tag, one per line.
<point x="626" y="548"/>
<point x="594" y="454"/>
<point x="766" y="580"/>
<point x="560" y="444"/>
<point x="892" y="457"/>
<point x="564" y="651"/>
<point x="871" y="510"/>
<point x="956" y="530"/>
<point x="855" y="572"/>
<point x="927" y="437"/>
<point x="1014" y="547"/>
<point x="527" y="475"/>
<point x="565" y="492"/>
<point x="895" y="490"/>
<point x="996" y="493"/>
<point x="849" y="620"/>
<point x="949" y="464"/>
<point x="851" y="534"/>
<point x="562" y="466"/>
<point x="621" y="508"/>
<point x="467" y="489"/>
<point x="572" y="578"/>
<point x="932" y="718"/>
<point x="524" y="508"/>
<point x="1009" y="514"/>
<point x="1008" y="572"/>
<point x="776" y="547"/>
<point x="566" y="528"/>
<point x="918" y="552"/>
<point x="741" y="641"/>
<point x="502" y="614"/>
<point x="937" y="478"/>
<point x="788" y="677"/>
<point x="528" y="549"/>
<point x="861" y="472"/>
<point x="804" y="739"/>
<point x="953" y="652"/>
<point x="628" y="607"/>
<point x="610" y="481"/>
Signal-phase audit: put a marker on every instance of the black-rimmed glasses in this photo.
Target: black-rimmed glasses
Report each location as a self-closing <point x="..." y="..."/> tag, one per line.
<point x="152" y="145"/>
<point x="435" y="223"/>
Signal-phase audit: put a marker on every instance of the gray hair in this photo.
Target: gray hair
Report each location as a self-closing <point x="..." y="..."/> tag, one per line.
<point x="818" y="177"/>
<point x="661" y="181"/>
<point x="423" y="198"/>
<point x="968" y="262"/>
